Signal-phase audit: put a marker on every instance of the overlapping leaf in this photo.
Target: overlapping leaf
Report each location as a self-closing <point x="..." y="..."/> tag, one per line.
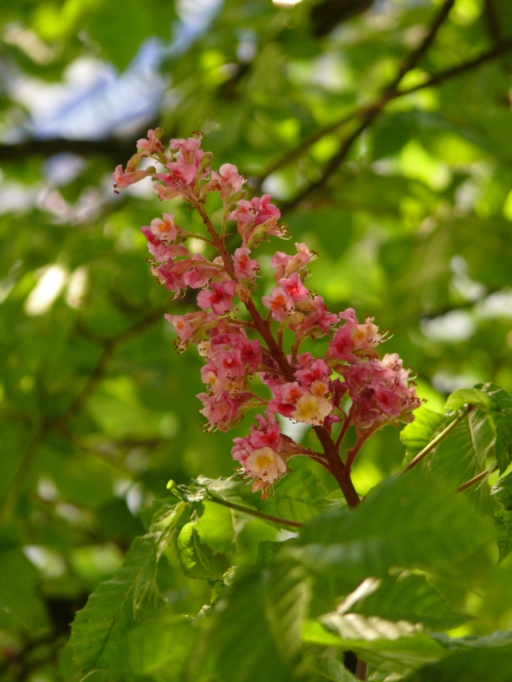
<point x="412" y="520"/>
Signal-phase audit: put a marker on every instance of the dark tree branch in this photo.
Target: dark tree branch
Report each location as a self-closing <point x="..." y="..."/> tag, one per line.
<point x="499" y="49"/>
<point x="369" y="114"/>
<point x="492" y="20"/>
<point x="117" y="149"/>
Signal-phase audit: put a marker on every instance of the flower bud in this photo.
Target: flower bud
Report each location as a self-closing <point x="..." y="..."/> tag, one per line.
<point x="205" y="161"/>
<point x="235" y="198"/>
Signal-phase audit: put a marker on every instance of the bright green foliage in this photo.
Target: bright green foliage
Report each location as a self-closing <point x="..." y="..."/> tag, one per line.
<point x="99" y="632"/>
<point x="407" y="522"/>
<point x="407" y="596"/>
<point x="162" y="648"/>
<point x="411" y="218"/>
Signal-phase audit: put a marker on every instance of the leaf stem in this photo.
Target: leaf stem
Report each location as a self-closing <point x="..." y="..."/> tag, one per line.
<point x="434" y="443"/>
<point x="476" y="479"/>
<point x="254" y="512"/>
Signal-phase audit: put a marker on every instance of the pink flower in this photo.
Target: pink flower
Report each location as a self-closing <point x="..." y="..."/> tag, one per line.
<point x="245" y="267"/>
<point x="164" y="229"/>
<point x="316" y="371"/>
<point x="200" y="271"/>
<point x="265" y="464"/>
<point x="294" y="287"/>
<point x="222" y="410"/>
<point x="280" y="303"/>
<point x="187" y="147"/>
<point x="220" y="300"/>
<point x="285" y="265"/>
<point x="268" y="434"/>
<point x="251" y="352"/>
<point x="151" y="145"/>
<point x="125" y="179"/>
<point x="355" y="339"/>
<point x="264" y="209"/>
<point x="191" y="326"/>
<point x="227" y="181"/>
<point x="285" y="398"/>
<point x="312" y="409"/>
<point x="229" y="363"/>
<point x="180" y="175"/>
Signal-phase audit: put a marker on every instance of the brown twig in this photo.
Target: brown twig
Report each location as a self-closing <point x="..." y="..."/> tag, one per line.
<point x="476" y="479"/>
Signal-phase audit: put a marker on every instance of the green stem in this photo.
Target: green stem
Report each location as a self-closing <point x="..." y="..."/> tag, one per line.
<point x="253" y="512"/>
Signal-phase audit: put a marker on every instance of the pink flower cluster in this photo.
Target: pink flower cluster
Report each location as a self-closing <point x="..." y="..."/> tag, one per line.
<point x="351" y="385"/>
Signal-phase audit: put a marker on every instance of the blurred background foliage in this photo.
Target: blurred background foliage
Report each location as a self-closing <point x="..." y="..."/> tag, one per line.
<point x="382" y="129"/>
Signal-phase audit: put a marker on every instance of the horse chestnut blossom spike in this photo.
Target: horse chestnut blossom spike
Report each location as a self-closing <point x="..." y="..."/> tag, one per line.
<point x="350" y="386"/>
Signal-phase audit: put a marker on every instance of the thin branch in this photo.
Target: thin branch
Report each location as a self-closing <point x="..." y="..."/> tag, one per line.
<point x="492" y="20"/>
<point x="23" y="471"/>
<point x="361" y="670"/>
<point x="254" y="512"/>
<point x="503" y="46"/>
<point x="110" y="346"/>
<point x="369" y="114"/>
<point x="476" y="479"/>
<point x="434" y="443"/>
<point x="294" y="154"/>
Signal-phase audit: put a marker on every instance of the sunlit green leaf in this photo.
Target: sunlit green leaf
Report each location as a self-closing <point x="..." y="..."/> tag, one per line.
<point x="99" y="630"/>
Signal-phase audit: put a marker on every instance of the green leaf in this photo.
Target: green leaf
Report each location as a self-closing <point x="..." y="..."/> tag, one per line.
<point x="409" y="521"/>
<point x="99" y="630"/>
<point x="240" y="645"/>
<point x="215" y="527"/>
<point x="502" y="490"/>
<point x="419" y="433"/>
<point x="391" y="646"/>
<point x="268" y="551"/>
<point x="467" y="396"/>
<point x="465" y="451"/>
<point x="503" y="441"/>
<point x="299" y="496"/>
<point x="21" y="605"/>
<point x="503" y="521"/>
<point x="288" y="592"/>
<point x="327" y="669"/>
<point x="161" y="647"/>
<point x="405" y="597"/>
<point x="471" y="666"/>
<point x="196" y="558"/>
<point x="302" y="494"/>
<point x="501" y="418"/>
